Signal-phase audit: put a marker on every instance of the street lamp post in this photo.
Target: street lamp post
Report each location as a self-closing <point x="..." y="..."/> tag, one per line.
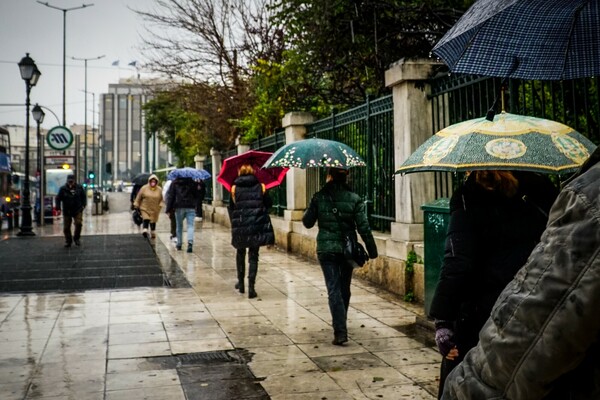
<point x="38" y="116"/>
<point x="30" y="74"/>
<point x="85" y="143"/>
<point x="64" y="10"/>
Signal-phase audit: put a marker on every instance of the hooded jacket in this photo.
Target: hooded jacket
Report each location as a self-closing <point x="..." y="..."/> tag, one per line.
<point x="353" y="218"/>
<point x="249" y="214"/>
<point x="183" y="193"/>
<point x="541" y="341"/>
<point x="71" y="200"/>
<point x="149" y="200"/>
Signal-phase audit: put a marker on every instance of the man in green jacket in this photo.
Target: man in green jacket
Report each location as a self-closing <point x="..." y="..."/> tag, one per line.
<point x="336" y="197"/>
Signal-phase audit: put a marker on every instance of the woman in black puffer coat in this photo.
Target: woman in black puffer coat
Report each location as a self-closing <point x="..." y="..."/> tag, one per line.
<point x="496" y="219"/>
<point x="250" y="224"/>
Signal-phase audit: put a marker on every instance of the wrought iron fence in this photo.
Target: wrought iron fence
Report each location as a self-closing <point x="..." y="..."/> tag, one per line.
<point x="368" y="129"/>
<point x="208" y="197"/>
<point x="457" y="97"/>
<point x="224" y="155"/>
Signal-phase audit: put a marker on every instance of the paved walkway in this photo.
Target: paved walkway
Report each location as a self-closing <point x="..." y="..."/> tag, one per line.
<point x="101" y="344"/>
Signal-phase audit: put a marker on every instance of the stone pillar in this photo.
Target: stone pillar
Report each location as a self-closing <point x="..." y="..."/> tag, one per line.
<point x="295" y="130"/>
<point x="217" y="188"/>
<point x="241" y="148"/>
<point x="412" y="126"/>
<point x="199" y="161"/>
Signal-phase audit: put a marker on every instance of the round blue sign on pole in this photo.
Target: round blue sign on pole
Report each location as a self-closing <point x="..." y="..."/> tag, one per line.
<point x="59" y="138"/>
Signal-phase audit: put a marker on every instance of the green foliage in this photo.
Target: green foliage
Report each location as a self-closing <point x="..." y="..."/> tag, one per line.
<point x="409" y="271"/>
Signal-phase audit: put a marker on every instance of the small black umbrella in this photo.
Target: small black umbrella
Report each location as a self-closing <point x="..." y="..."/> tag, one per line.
<point x="527" y="39"/>
<point x="141" y="179"/>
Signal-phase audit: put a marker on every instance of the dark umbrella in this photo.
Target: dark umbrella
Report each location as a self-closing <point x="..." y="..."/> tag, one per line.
<point x="270" y="177"/>
<point x="315" y="152"/>
<point x="527" y="39"/>
<point x="141" y="179"/>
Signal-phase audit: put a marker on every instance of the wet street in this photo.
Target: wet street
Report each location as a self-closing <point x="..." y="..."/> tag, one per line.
<point x="200" y="339"/>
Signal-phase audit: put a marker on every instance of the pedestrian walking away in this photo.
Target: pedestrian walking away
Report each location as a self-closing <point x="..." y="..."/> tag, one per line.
<point x="541" y="340"/>
<point x="71" y="200"/>
<point x="149" y="202"/>
<point x="181" y="200"/>
<point x="337" y="209"/>
<point x="496" y="219"/>
<point x="251" y="225"/>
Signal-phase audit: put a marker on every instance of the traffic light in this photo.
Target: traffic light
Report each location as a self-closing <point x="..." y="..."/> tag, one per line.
<point x="91" y="175"/>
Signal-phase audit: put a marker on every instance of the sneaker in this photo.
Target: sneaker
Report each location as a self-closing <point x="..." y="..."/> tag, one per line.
<point x="197" y="218"/>
<point x="339" y="340"/>
<point x="189" y="249"/>
<point x="153" y="235"/>
<point x="174" y="239"/>
<point x="145" y="233"/>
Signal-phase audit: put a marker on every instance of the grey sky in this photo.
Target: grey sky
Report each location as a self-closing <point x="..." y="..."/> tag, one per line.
<point x="107" y="28"/>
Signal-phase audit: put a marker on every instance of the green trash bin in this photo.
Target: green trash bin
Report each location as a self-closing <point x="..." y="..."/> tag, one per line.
<point x="436" y="216"/>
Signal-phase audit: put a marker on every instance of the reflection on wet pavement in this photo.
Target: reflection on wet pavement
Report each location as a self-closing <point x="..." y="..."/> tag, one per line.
<point x="104" y="344"/>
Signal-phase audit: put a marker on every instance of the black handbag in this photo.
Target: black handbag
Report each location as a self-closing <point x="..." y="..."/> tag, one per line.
<point x="354" y="251"/>
<point x="137" y="217"/>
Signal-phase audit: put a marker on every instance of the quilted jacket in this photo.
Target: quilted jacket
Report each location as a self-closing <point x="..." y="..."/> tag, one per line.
<point x="541" y="341"/>
<point x="353" y="218"/>
<point x="249" y="213"/>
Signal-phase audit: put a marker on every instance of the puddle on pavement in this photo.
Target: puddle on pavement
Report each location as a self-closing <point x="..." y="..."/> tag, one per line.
<point x="213" y="375"/>
<point x="419" y="333"/>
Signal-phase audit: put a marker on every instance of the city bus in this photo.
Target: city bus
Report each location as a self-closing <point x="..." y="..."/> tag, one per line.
<point x="8" y="198"/>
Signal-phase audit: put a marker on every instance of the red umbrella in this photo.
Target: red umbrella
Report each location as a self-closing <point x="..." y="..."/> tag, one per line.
<point x="270" y="177"/>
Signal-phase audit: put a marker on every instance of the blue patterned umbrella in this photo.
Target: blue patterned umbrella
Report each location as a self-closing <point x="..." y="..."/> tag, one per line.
<point x="187" y="172"/>
<point x="527" y="39"/>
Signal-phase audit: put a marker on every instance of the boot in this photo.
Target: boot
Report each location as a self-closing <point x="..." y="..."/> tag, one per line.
<point x="240" y="263"/>
<point x="252" y="270"/>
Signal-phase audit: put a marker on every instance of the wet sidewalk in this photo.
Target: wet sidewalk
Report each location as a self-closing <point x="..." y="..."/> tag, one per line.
<point x="208" y="341"/>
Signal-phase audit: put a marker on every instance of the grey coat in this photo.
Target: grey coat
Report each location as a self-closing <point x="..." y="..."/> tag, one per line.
<point x="541" y="341"/>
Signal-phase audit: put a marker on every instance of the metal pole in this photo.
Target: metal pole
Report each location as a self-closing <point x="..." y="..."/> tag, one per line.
<point x="64" y="11"/>
<point x="85" y="91"/>
<point x="25" y="227"/>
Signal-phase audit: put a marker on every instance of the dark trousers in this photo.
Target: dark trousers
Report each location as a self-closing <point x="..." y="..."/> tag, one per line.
<point x="240" y="262"/>
<point x="173" y="224"/>
<point x="147" y="222"/>
<point x="78" y="222"/>
<point x="338" y="277"/>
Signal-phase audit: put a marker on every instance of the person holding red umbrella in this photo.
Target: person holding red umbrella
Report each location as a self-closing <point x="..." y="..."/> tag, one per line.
<point x="250" y="224"/>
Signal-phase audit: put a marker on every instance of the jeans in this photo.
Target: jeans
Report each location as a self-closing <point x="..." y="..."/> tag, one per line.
<point x="338" y="276"/>
<point x="188" y="214"/>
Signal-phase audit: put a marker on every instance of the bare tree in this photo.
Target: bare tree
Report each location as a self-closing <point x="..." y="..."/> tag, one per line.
<point x="207" y="40"/>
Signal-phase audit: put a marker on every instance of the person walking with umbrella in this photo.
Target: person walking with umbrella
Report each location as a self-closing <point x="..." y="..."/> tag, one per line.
<point x="337" y="209"/>
<point x="496" y="219"/>
<point x="181" y="200"/>
<point x="250" y="225"/>
<point x="149" y="201"/>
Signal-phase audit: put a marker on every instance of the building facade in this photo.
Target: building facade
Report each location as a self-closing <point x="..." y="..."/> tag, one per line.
<point x="126" y="149"/>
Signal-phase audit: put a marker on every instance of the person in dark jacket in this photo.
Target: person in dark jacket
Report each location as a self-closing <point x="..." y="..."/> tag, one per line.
<point x="541" y="340"/>
<point x="250" y="225"/>
<point x="337" y="271"/>
<point x="496" y="219"/>
<point x="71" y="200"/>
<point x="181" y="200"/>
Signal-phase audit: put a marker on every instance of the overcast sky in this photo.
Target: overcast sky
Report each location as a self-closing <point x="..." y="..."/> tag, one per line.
<point x="107" y="28"/>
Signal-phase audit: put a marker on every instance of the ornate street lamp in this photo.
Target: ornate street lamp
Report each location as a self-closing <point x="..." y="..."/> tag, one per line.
<point x="38" y="116"/>
<point x="30" y="74"/>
